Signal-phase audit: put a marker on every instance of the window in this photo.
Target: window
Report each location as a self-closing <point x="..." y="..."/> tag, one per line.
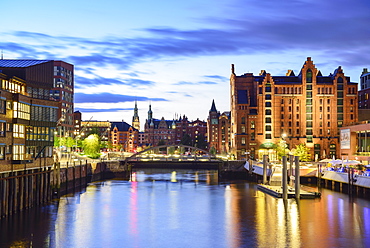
<point x="268" y="111"/>
<point x="268" y="119"/>
<point x="268" y="136"/>
<point x="268" y="104"/>
<point x="2" y="129"/>
<point x="2" y="107"/>
<point x="252" y="125"/>
<point x="268" y="96"/>
<point x="21" y="110"/>
<point x="243" y="129"/>
<point x="253" y="135"/>
<point x="309" y="76"/>
<point x="2" y="152"/>
<point x="243" y="120"/>
<point x="243" y="140"/>
<point x="18" y="152"/>
<point x="268" y="128"/>
<point x="18" y="131"/>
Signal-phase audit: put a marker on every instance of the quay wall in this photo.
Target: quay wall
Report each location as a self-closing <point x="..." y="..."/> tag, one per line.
<point x="26" y="188"/>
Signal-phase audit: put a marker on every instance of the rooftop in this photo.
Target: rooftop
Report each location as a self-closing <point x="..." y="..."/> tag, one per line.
<point x="20" y="62"/>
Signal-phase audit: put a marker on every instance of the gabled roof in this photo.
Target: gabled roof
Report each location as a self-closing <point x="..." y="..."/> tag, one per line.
<point x="21" y="62"/>
<point x="121" y="125"/>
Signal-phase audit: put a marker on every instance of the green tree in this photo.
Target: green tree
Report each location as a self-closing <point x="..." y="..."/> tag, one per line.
<point x="303" y="152"/>
<point x="91" y="146"/>
<point x="161" y="143"/>
<point x="281" y="149"/>
<point x="201" y="142"/>
<point x="213" y="150"/>
<point x="186" y="140"/>
<point x="171" y="150"/>
<point x="110" y="145"/>
<point x="69" y="142"/>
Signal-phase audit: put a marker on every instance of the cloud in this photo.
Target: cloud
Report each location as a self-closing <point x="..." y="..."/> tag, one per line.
<point x="217" y="77"/>
<point x="133" y="82"/>
<point x="194" y="83"/>
<point x="110" y="98"/>
<point x="90" y="110"/>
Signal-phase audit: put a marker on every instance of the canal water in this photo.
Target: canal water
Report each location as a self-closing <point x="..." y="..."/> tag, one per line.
<point x="164" y="208"/>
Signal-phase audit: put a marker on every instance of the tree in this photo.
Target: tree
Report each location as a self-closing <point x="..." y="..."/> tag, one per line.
<point x="303" y="152"/>
<point x="161" y="143"/>
<point x="170" y="150"/>
<point x="201" y="142"/>
<point x="281" y="149"/>
<point x="186" y="140"/>
<point x="213" y="150"/>
<point x="91" y="146"/>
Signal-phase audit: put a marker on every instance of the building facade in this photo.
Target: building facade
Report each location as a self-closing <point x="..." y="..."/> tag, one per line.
<point x="173" y="132"/>
<point x="218" y="130"/>
<point x="124" y="137"/>
<point x="364" y="92"/>
<point x="27" y="126"/>
<point x="305" y="109"/>
<point x="47" y="79"/>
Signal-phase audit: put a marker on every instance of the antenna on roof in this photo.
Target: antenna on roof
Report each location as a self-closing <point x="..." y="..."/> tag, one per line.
<point x="2" y="55"/>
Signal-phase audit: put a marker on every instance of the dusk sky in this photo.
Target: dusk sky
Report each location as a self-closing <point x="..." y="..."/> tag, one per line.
<point x="177" y="55"/>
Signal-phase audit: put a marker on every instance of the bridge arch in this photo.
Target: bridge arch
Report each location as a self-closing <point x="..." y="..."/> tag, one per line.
<point x="165" y="146"/>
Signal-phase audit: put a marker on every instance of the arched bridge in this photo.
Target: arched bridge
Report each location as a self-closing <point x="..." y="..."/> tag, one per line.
<point x="193" y="158"/>
<point x="145" y="155"/>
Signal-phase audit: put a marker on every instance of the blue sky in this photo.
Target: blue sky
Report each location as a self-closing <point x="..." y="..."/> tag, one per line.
<point x="177" y="55"/>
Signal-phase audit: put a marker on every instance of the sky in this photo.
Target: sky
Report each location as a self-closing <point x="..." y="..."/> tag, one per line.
<point x="176" y="55"/>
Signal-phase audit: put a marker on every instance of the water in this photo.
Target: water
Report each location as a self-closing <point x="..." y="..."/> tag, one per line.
<point x="188" y="209"/>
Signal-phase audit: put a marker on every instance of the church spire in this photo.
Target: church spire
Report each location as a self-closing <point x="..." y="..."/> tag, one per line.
<point x="213" y="108"/>
<point x="150" y="113"/>
<point x="135" y="118"/>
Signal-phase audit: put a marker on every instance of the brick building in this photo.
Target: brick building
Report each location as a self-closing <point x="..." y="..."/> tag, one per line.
<point x="218" y="130"/>
<point x="308" y="108"/>
<point x="124" y="137"/>
<point x="176" y="131"/>
<point x="27" y="126"/>
<point x="47" y="79"/>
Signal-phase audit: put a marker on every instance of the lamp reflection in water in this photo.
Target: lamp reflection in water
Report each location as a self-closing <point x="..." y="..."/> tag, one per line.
<point x="281" y="215"/>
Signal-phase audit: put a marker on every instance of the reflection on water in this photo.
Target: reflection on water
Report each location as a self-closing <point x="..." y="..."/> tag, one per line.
<point x="162" y="208"/>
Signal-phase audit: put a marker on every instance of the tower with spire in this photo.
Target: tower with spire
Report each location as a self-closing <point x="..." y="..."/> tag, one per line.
<point x="135" y="118"/>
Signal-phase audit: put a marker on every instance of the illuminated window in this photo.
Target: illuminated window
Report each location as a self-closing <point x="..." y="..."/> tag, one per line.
<point x="252" y="125"/>
<point x="2" y="152"/>
<point x="18" y="152"/>
<point x="2" y="129"/>
<point x="18" y="131"/>
<point x="243" y="129"/>
<point x="243" y="141"/>
<point x="21" y="110"/>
